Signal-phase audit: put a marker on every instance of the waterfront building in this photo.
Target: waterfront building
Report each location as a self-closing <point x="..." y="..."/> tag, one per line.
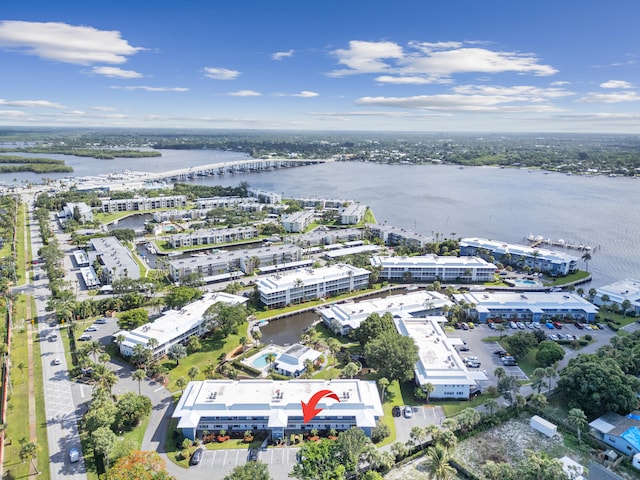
<point x="345" y="317"/>
<point x="325" y="236"/>
<point x="548" y="261"/>
<point x="170" y="215"/>
<point x="116" y="260"/>
<point x="352" y="214"/>
<point x="321" y="203"/>
<point x="346" y="250"/>
<point x="209" y="203"/>
<point x="429" y="268"/>
<point x="394" y="236"/>
<point x="297" y="222"/>
<point x="275" y="406"/>
<point x="143" y="203"/>
<point x="264" y="196"/>
<point x="212" y="236"/>
<point x="618" y="292"/>
<point x="227" y="264"/>
<point x="174" y="326"/>
<point x="527" y="307"/>
<point x="439" y="363"/>
<point x="89" y="278"/>
<point x="79" y="211"/>
<point x="306" y="284"/>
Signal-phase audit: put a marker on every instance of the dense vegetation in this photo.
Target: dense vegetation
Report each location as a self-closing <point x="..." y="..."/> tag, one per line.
<point x="99" y="153"/>
<point x="30" y="164"/>
<point x="576" y="153"/>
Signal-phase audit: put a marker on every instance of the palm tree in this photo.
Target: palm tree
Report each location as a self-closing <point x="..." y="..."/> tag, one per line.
<point x="334" y="346"/>
<point x="193" y="373"/>
<point x="428" y="389"/>
<point x="499" y="372"/>
<point x="550" y="373"/>
<point x="418" y="434"/>
<point x="209" y="371"/>
<point x="350" y="370"/>
<point x="383" y="383"/>
<point x="491" y="405"/>
<point x="578" y="420"/>
<point x="181" y="382"/>
<point x="271" y="359"/>
<point x="437" y="463"/>
<point x="104" y="377"/>
<point x="537" y="401"/>
<point x="94" y="348"/>
<point x="244" y="342"/>
<point x="29" y="451"/>
<point x="538" y="379"/>
<point x="586" y="257"/>
<point x="139" y="375"/>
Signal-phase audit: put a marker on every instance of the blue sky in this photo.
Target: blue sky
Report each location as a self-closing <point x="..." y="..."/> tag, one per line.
<point x="406" y="65"/>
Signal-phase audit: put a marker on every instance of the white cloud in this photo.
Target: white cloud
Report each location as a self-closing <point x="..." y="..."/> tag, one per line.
<point x="115" y="72"/>
<point x="220" y="73"/>
<point x="151" y="89"/>
<point x="409" y="80"/>
<point x="65" y="43"/>
<point x="103" y="109"/>
<point x="559" y="83"/>
<point x="245" y="93"/>
<point x="456" y="102"/>
<point x="31" y="103"/>
<point x="303" y="94"/>
<point x="12" y="113"/>
<point x="616" y="84"/>
<point x="615" y="97"/>
<point x="432" y="60"/>
<point x="522" y="92"/>
<point x="281" y="55"/>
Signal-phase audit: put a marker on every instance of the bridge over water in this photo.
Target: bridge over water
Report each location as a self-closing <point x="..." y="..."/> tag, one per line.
<point x="236" y="166"/>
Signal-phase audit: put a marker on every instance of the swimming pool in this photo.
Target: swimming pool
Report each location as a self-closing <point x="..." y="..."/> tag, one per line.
<point x="526" y="282"/>
<point x="261" y="361"/>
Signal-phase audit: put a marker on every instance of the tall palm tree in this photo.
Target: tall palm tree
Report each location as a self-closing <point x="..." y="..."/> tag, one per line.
<point x="586" y="257"/>
<point x="193" y="373"/>
<point x="550" y="373"/>
<point x="271" y="359"/>
<point x="577" y="419"/>
<point x="29" y="451"/>
<point x="209" y="371"/>
<point x="94" y="349"/>
<point x="418" y="434"/>
<point x="428" y="389"/>
<point x="139" y="375"/>
<point x="181" y="382"/>
<point x="104" y="377"/>
<point x="491" y="405"/>
<point x="437" y="463"/>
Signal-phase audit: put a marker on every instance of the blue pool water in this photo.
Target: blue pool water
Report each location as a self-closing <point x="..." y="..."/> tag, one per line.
<point x="526" y="282"/>
<point x="261" y="361"/>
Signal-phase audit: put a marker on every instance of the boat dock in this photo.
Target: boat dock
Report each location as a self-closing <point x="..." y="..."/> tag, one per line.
<point x="537" y="240"/>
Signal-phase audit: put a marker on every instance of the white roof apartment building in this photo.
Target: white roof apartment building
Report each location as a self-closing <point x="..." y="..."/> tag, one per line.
<point x="618" y="292"/>
<point x="212" y="236"/>
<point x="143" y="203"/>
<point x="555" y="263"/>
<point x="297" y="222"/>
<point x="429" y="268"/>
<point x="438" y="360"/>
<point x="325" y="236"/>
<point x="117" y="261"/>
<point x="345" y="317"/>
<point x="222" y="263"/>
<point x="275" y="406"/>
<point x="527" y="306"/>
<point x="352" y="214"/>
<point x="310" y="284"/>
<point x="392" y="236"/>
<point x="174" y="326"/>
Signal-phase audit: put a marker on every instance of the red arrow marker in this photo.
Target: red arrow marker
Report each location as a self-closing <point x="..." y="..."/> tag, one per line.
<point x="309" y="410"/>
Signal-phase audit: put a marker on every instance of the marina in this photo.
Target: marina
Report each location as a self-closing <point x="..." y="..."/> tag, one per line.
<point x="537" y="240"/>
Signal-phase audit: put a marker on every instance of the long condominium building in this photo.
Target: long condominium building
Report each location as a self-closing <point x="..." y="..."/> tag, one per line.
<point x="393" y="236"/>
<point x="143" y="203"/>
<point x="352" y="214"/>
<point x="310" y="284"/>
<point x="528" y="306"/>
<point x="245" y="261"/>
<point x="297" y="222"/>
<point x="174" y="326"/>
<point x="116" y="260"/>
<point x="429" y="268"/>
<point x="212" y="236"/>
<point x="616" y="294"/>
<point x="275" y="406"/>
<point x="345" y="317"/>
<point x="549" y="261"/>
<point x="439" y="363"/>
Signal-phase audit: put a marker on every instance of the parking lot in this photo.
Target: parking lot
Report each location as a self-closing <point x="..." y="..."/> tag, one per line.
<point x="489" y="361"/>
<point x="280" y="460"/>
<point x="421" y="417"/>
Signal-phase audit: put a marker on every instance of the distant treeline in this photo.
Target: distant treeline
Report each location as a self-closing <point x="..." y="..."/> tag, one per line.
<point x="35" y="165"/>
<point x="201" y="191"/>
<point x="98" y="153"/>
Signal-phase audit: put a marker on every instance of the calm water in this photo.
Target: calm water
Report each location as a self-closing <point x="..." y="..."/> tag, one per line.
<point x="504" y="204"/>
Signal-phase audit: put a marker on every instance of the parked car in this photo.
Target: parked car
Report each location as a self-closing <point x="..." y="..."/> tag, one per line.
<point x="464" y="348"/>
<point x="513" y="325"/>
<point x="473" y="364"/>
<point x="536" y="325"/>
<point x="499" y="352"/>
<point x="553" y="337"/>
<point x="557" y="325"/>
<point x="74" y="455"/>
<point x="53" y="337"/>
<point x="471" y="325"/>
<point x="457" y="325"/>
<point x="396" y="411"/>
<point x="196" y="457"/>
<point x="408" y="412"/>
<point x="511" y="363"/>
<point x="549" y="325"/>
<point x="520" y="325"/>
<point x="57" y="361"/>
<point x="492" y="326"/>
<point x="101" y="321"/>
<point x="253" y="455"/>
<point x="465" y="326"/>
<point x="84" y="338"/>
<point x="92" y="328"/>
<point x="600" y="326"/>
<point x="579" y="325"/>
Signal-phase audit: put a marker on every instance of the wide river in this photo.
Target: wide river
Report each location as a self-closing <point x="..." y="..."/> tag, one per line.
<point x="504" y="204"/>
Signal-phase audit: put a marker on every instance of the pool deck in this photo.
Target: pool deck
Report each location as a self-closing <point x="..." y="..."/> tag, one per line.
<point x="277" y="349"/>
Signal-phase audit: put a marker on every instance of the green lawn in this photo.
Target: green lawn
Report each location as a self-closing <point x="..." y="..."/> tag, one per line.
<point x="573" y="277"/>
<point x="455" y="407"/>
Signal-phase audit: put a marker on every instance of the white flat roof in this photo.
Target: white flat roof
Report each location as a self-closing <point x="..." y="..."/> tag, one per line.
<point x="353" y="314"/>
<point x="516" y="249"/>
<point x="174" y="323"/>
<point x="432" y="260"/>
<point x="439" y="362"/>
<point x="308" y="276"/>
<point x="627" y="289"/>
<point x="277" y="399"/>
<point x="343" y="252"/>
<point x="532" y="301"/>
